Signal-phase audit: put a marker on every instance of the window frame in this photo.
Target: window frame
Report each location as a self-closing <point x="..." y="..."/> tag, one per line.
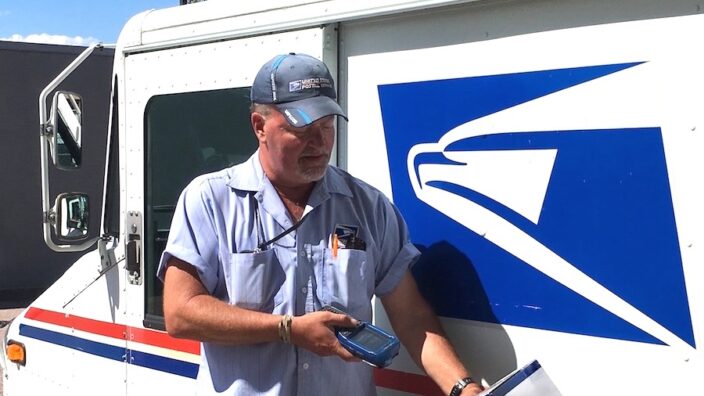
<point x="154" y="234"/>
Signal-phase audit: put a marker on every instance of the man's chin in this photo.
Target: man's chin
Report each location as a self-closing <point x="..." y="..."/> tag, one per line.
<point x="314" y="174"/>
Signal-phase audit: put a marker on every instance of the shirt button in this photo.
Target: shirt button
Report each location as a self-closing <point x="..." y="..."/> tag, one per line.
<point x="305" y="366"/>
<point x="304" y="290"/>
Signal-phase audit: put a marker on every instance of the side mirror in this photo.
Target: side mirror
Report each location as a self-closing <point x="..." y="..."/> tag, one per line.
<point x="66" y="118"/>
<point x="71" y="222"/>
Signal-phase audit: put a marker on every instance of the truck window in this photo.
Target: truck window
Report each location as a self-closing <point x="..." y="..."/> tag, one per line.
<point x="187" y="135"/>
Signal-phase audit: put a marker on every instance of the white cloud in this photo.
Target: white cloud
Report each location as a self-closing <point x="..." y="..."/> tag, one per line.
<point x="44" y="38"/>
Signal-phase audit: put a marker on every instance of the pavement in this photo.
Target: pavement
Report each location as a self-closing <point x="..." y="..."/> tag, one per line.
<point x="6" y="314"/>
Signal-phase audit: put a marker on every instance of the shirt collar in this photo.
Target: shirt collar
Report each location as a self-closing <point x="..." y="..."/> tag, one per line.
<point x="247" y="176"/>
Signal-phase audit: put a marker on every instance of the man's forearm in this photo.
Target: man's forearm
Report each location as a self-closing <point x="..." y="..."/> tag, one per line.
<point x="205" y="318"/>
<point x="431" y="350"/>
<point x="190" y="312"/>
<point x="442" y="364"/>
<point x="420" y="331"/>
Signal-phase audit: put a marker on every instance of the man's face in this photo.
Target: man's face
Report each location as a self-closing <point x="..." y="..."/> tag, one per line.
<point x="293" y="156"/>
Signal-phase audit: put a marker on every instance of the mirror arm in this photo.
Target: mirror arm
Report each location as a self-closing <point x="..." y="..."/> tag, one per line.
<point x="46" y="129"/>
<point x="43" y="116"/>
<point x="49" y="217"/>
<point x="46" y="132"/>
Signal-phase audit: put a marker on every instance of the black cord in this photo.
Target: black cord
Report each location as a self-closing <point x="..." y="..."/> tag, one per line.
<point x="260" y="229"/>
<point x="262" y="245"/>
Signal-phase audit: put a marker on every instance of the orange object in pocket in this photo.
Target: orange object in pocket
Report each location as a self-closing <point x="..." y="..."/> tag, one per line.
<point x="334" y="246"/>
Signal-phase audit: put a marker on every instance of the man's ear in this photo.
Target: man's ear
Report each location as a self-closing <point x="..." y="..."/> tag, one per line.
<point x="258" y="122"/>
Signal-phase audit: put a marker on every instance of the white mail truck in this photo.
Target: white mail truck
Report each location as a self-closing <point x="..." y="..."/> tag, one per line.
<point x="547" y="156"/>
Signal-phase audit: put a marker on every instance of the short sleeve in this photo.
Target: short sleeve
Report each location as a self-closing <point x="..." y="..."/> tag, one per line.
<point x="397" y="251"/>
<point x="193" y="236"/>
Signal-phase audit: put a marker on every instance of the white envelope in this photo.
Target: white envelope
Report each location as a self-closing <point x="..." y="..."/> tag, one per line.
<point x="529" y="380"/>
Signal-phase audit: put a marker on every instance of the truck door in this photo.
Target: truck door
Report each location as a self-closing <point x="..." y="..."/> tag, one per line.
<point x="187" y="114"/>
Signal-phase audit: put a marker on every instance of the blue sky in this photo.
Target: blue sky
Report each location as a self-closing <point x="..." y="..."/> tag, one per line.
<point x="75" y="22"/>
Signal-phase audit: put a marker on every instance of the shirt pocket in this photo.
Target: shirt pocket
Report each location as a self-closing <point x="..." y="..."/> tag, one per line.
<point x="256" y="280"/>
<point x="347" y="279"/>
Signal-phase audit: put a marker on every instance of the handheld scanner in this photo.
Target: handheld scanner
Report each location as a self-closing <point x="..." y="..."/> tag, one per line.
<point x="368" y="342"/>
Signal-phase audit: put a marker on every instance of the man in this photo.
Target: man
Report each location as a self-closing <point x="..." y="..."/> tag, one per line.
<point x="256" y="250"/>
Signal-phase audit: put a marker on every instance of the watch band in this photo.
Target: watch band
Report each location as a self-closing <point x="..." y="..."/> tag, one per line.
<point x="460" y="385"/>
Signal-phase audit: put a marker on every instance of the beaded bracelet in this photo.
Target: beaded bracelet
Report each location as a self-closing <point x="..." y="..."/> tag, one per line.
<point x="285" y="328"/>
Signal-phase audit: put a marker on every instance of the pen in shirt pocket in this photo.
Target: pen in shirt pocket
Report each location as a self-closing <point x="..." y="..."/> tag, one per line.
<point x="334" y="246"/>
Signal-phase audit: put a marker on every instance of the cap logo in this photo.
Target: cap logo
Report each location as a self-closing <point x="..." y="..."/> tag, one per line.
<point x="294" y="86"/>
<point x="290" y="116"/>
<point x="309" y="83"/>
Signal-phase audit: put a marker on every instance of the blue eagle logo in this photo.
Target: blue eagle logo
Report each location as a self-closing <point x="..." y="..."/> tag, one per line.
<point x="531" y="221"/>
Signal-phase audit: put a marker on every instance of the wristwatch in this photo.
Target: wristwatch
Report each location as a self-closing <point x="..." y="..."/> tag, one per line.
<point x="460" y="385"/>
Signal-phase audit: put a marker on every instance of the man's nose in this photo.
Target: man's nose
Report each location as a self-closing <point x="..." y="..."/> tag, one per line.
<point x="316" y="136"/>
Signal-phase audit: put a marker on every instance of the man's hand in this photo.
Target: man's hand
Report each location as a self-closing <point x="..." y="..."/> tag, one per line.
<point x="314" y="332"/>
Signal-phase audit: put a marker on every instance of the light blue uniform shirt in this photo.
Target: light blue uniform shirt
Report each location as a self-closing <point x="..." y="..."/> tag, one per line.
<point x="215" y="224"/>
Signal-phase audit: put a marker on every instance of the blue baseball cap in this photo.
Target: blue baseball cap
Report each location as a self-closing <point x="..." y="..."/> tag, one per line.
<point x="299" y="86"/>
